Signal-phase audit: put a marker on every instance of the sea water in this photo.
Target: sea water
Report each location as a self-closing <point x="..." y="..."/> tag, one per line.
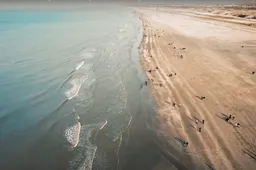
<point x="67" y="75"/>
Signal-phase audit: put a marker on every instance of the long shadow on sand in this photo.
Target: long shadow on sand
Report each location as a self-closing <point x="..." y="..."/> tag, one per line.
<point x="192" y="126"/>
<point x="199" y="97"/>
<point x="224" y="117"/>
<point x="194" y="119"/>
<point x="182" y="141"/>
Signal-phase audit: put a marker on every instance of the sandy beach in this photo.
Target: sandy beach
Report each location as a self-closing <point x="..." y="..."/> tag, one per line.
<point x="201" y="69"/>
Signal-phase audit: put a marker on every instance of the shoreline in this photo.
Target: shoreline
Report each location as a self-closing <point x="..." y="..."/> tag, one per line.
<point x="170" y="156"/>
<point x="176" y="64"/>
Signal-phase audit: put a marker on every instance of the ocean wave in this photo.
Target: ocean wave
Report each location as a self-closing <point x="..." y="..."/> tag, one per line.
<point x="76" y="85"/>
<point x="85" y="151"/>
<point x="88" y="54"/>
<point x="66" y="80"/>
<point x="79" y="65"/>
<point x="72" y="133"/>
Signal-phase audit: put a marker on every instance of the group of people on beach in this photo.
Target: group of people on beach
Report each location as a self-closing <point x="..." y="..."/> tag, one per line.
<point x="197" y="121"/>
<point x="200" y="127"/>
<point x="228" y="119"/>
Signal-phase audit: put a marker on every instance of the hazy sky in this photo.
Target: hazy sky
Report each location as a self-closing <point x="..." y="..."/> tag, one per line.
<point x="151" y="1"/>
<point x="230" y="1"/>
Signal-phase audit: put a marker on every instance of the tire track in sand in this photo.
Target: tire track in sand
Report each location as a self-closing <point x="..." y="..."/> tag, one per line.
<point x="181" y="97"/>
<point x="170" y="91"/>
<point x="164" y="77"/>
<point x="212" y="131"/>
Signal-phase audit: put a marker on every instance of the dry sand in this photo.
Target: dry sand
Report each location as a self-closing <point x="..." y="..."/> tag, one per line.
<point x="211" y="59"/>
<point x="239" y="14"/>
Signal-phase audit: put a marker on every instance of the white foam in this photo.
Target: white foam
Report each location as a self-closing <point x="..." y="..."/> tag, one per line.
<point x="86" y="151"/>
<point x="130" y="120"/>
<point x="122" y="30"/>
<point x="103" y="124"/>
<point x="72" y="134"/>
<point x="122" y="37"/>
<point x="76" y="85"/>
<point x="79" y="65"/>
<point x="88" y="55"/>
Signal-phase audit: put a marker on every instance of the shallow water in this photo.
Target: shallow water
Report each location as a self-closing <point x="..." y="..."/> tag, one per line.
<point x="71" y="87"/>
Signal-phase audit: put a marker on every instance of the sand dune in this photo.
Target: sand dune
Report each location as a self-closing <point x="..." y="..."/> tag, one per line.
<point x="186" y="57"/>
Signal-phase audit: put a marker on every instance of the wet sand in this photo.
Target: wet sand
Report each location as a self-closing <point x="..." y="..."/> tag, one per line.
<point x="185" y="58"/>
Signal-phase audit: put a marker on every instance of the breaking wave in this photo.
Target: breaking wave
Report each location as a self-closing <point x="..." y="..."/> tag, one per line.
<point x="85" y="150"/>
<point x="79" y="65"/>
<point x="76" y="85"/>
<point x="72" y="134"/>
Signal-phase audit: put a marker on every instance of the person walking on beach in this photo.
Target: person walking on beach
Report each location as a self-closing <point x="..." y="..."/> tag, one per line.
<point x="202" y="97"/>
<point x="237" y="125"/>
<point x="185" y="144"/>
<point x="228" y="118"/>
<point x="203" y="121"/>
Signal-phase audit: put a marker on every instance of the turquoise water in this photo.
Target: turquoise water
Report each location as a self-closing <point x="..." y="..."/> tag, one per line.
<point x="20" y="40"/>
<point x="71" y="87"/>
<point x="12" y="19"/>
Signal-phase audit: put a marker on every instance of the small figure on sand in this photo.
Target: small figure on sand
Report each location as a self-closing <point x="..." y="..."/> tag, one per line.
<point x="146" y="83"/>
<point x="185" y="144"/>
<point x="175" y="74"/>
<point x="183" y="48"/>
<point x="203" y="121"/>
<point x="181" y="56"/>
<point x="202" y="97"/>
<point x="228" y="118"/>
<point x="253" y="72"/>
<point x="173" y="104"/>
<point x="233" y="118"/>
<point x="237" y="125"/>
<point x="200" y="129"/>
<point x="160" y="85"/>
<point x="197" y="121"/>
<point x="156" y="67"/>
<point x="170" y="75"/>
<point x="149" y="71"/>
